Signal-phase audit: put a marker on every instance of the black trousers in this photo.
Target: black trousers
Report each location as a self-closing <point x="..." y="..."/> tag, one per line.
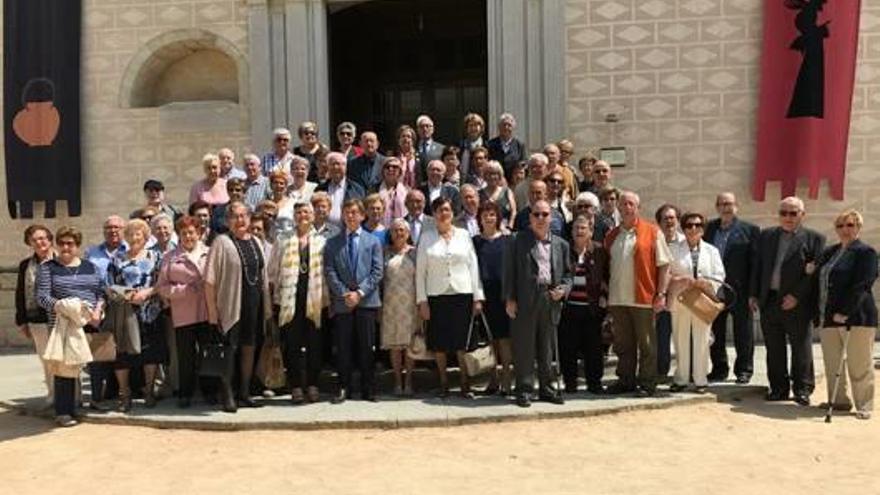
<point x="65" y="396"/>
<point x="302" y="347"/>
<point x="354" y="332"/>
<point x="743" y="341"/>
<point x="663" y="327"/>
<point x="580" y="331"/>
<point x="793" y="326"/>
<point x="188" y="338"/>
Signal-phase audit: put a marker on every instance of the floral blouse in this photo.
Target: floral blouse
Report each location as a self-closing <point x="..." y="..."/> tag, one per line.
<point x="138" y="273"/>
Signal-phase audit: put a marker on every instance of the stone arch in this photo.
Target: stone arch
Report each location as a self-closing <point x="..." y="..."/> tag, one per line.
<point x="168" y="56"/>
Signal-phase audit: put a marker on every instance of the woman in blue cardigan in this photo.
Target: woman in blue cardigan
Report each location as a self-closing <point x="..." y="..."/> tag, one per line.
<point x="847" y="270"/>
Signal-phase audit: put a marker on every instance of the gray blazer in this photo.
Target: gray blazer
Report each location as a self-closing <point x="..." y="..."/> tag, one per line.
<point x="519" y="282"/>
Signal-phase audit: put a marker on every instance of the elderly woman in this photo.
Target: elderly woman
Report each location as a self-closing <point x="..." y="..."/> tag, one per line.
<point x="608" y="214"/>
<point x="392" y="190"/>
<point x="375" y="216"/>
<point x="496" y="192"/>
<point x="667" y="216"/>
<point x="181" y="283"/>
<point x="406" y="153"/>
<point x="489" y="246"/>
<point x="278" y="187"/>
<point x="477" y="168"/>
<point x="300" y="190"/>
<point x="694" y="263"/>
<point x="345" y="133"/>
<point x="68" y="276"/>
<point x="237" y="293"/>
<point x="309" y="146"/>
<point x="848" y="314"/>
<point x="580" y="329"/>
<point x="399" y="311"/>
<point x="296" y="278"/>
<point x="473" y="127"/>
<point x="586" y="204"/>
<point x="452" y="172"/>
<point x="448" y="289"/>
<point x="211" y="189"/>
<point x="132" y="275"/>
<point x="30" y="318"/>
<point x="163" y="231"/>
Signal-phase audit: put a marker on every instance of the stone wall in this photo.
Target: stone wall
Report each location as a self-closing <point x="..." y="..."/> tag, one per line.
<point x="682" y="77"/>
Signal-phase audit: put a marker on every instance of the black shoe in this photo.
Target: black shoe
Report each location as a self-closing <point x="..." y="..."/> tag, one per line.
<point x="571" y="388"/>
<point x="648" y="391"/>
<point x="676" y="387"/>
<point x="184" y="402"/>
<point x="369" y="397"/>
<point x="776" y="396"/>
<point x="99" y="406"/>
<point x="248" y="402"/>
<point x="552" y="398"/>
<point x="743" y="379"/>
<point x="523" y="401"/>
<point x="596" y="389"/>
<point x="716" y="377"/>
<point x="619" y="389"/>
<point x="340" y="397"/>
<point x="802" y="399"/>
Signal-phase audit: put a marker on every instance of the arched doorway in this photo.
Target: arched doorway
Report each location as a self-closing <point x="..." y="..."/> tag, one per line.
<point x="392" y="60"/>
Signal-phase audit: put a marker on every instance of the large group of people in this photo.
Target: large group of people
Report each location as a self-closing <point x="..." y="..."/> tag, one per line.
<point x="335" y="255"/>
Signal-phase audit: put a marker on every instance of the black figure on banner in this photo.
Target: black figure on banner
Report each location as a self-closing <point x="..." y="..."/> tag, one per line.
<point x="808" y="98"/>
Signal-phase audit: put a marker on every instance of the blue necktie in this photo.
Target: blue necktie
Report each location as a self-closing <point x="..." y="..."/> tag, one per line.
<point x="352" y="254"/>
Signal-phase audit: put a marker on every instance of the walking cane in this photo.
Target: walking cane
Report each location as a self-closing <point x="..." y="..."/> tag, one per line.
<point x="843" y="358"/>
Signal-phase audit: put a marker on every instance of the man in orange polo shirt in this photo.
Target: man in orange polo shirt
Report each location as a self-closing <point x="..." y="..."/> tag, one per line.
<point x="639" y="266"/>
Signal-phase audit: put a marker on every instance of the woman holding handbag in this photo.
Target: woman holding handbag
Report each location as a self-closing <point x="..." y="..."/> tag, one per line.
<point x="400" y="318"/>
<point x="181" y="283"/>
<point x="695" y="263"/>
<point x="448" y="289"/>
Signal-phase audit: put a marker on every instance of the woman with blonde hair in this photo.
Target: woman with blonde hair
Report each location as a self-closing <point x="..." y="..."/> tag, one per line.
<point x="473" y="127"/>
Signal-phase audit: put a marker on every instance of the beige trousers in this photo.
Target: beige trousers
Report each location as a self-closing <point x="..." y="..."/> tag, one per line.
<point x="684" y="327"/>
<point x="859" y="364"/>
<point x="40" y="335"/>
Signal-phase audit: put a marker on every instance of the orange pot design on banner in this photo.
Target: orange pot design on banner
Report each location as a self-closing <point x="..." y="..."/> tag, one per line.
<point x="37" y="122"/>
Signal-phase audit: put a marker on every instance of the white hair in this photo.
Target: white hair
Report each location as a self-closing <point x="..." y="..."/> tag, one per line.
<point x="538" y="157"/>
<point x="587" y="197"/>
<point x="281" y="132"/>
<point x="507" y="117"/>
<point x="793" y="201"/>
<point x="423" y="118"/>
<point x="635" y="197"/>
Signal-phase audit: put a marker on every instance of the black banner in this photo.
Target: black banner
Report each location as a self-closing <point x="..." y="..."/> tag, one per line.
<point x="41" y="84"/>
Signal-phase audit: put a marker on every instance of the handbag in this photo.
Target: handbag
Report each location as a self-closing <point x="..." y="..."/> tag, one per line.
<point x="482" y="358"/>
<point x="216" y="359"/>
<point x="704" y="305"/>
<point x="270" y="366"/>
<point x="103" y="346"/>
<point x="418" y="347"/>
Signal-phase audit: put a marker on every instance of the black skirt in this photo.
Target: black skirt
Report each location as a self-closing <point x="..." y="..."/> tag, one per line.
<point x="450" y="319"/>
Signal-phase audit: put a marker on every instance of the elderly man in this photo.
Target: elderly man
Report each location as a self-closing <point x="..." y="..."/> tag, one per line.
<point x="101" y="254"/>
<point x="435" y="188"/>
<point x="505" y="148"/>
<point x="280" y="156"/>
<point x="392" y="191"/>
<point x="538" y="192"/>
<point x="256" y="184"/>
<point x="228" y="170"/>
<point x="586" y="204"/>
<point x="338" y="186"/>
<point x="733" y="237"/>
<point x="537" y="171"/>
<point x="321" y="205"/>
<point x="415" y="215"/>
<point x="427" y="149"/>
<point x="537" y="277"/>
<point x="601" y="177"/>
<point x="639" y="278"/>
<point x="470" y="201"/>
<point x="554" y="164"/>
<point x="154" y="193"/>
<point x="366" y="169"/>
<point x="783" y="288"/>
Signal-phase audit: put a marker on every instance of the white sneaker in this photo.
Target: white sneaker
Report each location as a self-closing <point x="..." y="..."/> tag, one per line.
<point x="65" y="421"/>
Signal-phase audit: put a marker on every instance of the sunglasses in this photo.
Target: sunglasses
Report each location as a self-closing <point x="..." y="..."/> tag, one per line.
<point x="788" y="213"/>
<point x="309" y="133"/>
<point x="554" y="181"/>
<point x="540" y="214"/>
<point x="842" y="225"/>
<point x="688" y="226"/>
<point x="346" y="134"/>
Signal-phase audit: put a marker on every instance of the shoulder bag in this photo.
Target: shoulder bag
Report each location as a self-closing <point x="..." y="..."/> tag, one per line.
<point x="479" y="359"/>
<point x="704" y="305"/>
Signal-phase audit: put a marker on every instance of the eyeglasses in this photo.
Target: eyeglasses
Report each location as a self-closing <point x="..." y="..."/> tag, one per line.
<point x="788" y="213"/>
<point x="689" y="226"/>
<point x="345" y="133"/>
<point x="554" y="181"/>
<point x="66" y="243"/>
<point x="309" y="133"/>
<point x="540" y="214"/>
<point x="842" y="225"/>
<point x="282" y="140"/>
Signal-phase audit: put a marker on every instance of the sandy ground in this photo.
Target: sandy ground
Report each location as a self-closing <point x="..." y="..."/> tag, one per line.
<point x="738" y="447"/>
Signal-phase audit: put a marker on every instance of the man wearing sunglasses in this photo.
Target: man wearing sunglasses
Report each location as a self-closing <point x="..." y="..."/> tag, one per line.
<point x="783" y="288"/>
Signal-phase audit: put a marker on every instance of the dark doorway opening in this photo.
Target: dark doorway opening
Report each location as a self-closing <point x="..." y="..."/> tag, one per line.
<point x="393" y="60"/>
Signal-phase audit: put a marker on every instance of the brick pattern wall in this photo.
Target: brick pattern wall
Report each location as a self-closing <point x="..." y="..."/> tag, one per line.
<point x="682" y="77"/>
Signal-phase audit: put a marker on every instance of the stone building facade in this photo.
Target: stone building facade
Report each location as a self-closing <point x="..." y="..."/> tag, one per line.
<point x="165" y="81"/>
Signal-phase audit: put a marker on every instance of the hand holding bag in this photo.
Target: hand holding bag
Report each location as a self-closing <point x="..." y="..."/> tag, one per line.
<point x="704" y="305"/>
<point x="480" y="359"/>
<point x="418" y="347"/>
<point x="103" y="346"/>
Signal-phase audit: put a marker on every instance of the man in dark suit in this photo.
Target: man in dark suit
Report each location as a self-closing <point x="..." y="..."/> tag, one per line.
<point x="427" y="149"/>
<point x="538" y="192"/>
<point x="435" y="188"/>
<point x="338" y="187"/>
<point x="366" y="169"/>
<point x="537" y="277"/>
<point x="353" y="267"/>
<point x="504" y="148"/>
<point x="783" y="287"/>
<point x="734" y="238"/>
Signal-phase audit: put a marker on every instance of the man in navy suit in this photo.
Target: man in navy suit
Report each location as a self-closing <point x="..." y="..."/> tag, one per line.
<point x="504" y="148"/>
<point x="435" y="187"/>
<point x="428" y="149"/>
<point x="353" y="267"/>
<point x="734" y="238"/>
<point x="366" y="169"/>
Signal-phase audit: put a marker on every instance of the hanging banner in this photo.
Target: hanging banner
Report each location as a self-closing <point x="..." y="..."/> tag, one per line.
<point x="808" y="64"/>
<point x="41" y="84"/>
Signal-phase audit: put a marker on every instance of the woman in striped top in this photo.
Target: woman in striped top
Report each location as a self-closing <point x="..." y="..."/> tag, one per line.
<point x="67" y="276"/>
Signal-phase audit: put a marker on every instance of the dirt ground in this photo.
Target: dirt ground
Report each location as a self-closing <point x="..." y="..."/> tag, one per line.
<point x="737" y="447"/>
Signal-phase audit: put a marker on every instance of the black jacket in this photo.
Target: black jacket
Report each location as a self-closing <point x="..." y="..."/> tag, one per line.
<point x="805" y="247"/>
<point x="516" y="153"/>
<point x="738" y="255"/>
<point x="849" y="285"/>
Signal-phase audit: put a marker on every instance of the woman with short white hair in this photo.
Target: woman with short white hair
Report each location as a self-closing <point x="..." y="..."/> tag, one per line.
<point x="211" y="189"/>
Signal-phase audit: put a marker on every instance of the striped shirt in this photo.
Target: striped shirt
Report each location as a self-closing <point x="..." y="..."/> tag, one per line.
<point x="56" y="281"/>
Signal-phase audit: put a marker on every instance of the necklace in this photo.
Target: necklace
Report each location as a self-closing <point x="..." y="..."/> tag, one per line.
<point x="251" y="278"/>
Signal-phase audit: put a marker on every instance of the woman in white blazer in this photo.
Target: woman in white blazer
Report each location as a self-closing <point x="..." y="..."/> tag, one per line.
<point x="693" y="262"/>
<point x="448" y="288"/>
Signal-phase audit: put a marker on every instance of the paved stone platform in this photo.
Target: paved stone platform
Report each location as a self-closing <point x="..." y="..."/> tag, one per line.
<point x="20" y="389"/>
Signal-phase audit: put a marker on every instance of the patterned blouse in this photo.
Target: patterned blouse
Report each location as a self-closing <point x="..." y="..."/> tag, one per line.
<point x="138" y="273"/>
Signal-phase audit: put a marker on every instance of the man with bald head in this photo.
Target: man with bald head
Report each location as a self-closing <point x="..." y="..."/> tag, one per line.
<point x="537" y="169"/>
<point x="733" y="237"/>
<point x="366" y="169"/>
<point x="538" y="192"/>
<point x="228" y="169"/>
<point x="435" y="188"/>
<point x="101" y="254"/>
<point x="338" y="186"/>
